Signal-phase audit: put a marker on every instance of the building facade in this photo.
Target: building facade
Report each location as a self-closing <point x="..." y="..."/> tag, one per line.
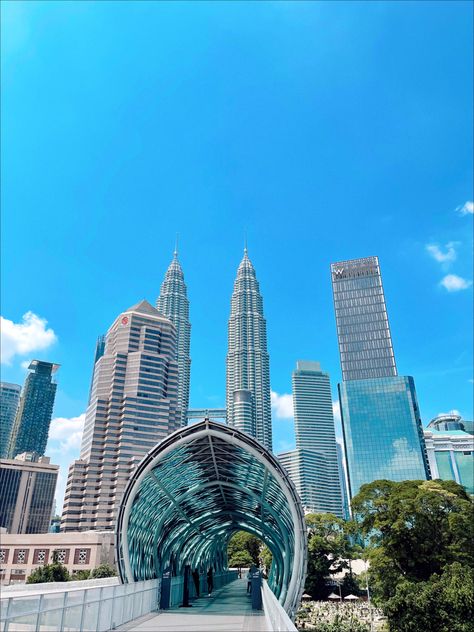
<point x="383" y="435"/>
<point x="174" y="304"/>
<point x="451" y="456"/>
<point x="315" y="432"/>
<point x="9" y="400"/>
<point x="363" y="332"/>
<point x="27" y="483"/>
<point x="248" y="364"/>
<point x="21" y="555"/>
<point x="133" y="405"/>
<point x="31" y="427"/>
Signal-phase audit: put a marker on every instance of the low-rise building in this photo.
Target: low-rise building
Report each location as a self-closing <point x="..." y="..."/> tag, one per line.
<point x="451" y="456"/>
<point x="21" y="554"/>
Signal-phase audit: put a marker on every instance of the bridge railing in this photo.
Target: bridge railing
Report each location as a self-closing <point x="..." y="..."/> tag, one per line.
<point x="275" y="614"/>
<point x="92" y="609"/>
<point x="177" y="585"/>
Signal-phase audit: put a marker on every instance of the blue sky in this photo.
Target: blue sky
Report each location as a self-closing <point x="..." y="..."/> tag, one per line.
<point x="327" y="131"/>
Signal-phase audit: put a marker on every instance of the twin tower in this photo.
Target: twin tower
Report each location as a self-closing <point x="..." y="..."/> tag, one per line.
<point x="248" y="403"/>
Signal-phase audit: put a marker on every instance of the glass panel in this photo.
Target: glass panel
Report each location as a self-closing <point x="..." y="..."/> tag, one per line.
<point x="445" y="469"/>
<point x="23" y="624"/>
<point x="105" y="612"/>
<point x="91" y="613"/>
<point x="465" y="464"/>
<point x="50" y="621"/>
<point x="72" y="619"/>
<point x="75" y="597"/>
<point x="52" y="600"/>
<point x="21" y="606"/>
<point x="93" y="594"/>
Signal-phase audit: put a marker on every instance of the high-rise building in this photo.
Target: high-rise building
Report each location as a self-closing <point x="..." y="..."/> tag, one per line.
<point x="9" y="400"/>
<point x="383" y="435"/>
<point x="133" y="404"/>
<point x="99" y="352"/>
<point x="28" y="483"/>
<point x="248" y="364"/>
<point x="314" y="463"/>
<point x="365" y="343"/>
<point x="342" y="477"/>
<point x="173" y="303"/>
<point x="31" y="427"/>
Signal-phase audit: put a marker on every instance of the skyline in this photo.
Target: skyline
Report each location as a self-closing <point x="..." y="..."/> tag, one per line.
<point x="326" y="131"/>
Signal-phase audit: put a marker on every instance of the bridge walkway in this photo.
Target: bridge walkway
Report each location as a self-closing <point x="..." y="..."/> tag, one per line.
<point x="228" y="609"/>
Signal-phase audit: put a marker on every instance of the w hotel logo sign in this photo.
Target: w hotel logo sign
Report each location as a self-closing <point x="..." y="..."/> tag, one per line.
<point x="337" y="272"/>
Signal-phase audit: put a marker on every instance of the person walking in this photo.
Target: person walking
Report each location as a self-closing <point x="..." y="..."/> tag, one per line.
<point x="210" y="582"/>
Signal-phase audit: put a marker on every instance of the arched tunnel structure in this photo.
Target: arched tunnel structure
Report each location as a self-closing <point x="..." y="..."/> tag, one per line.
<point x="194" y="490"/>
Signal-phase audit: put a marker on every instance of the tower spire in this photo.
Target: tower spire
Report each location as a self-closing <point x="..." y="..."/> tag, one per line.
<point x="175" y="253"/>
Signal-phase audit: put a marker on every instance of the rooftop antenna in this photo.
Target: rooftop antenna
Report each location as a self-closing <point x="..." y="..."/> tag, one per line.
<point x="176" y="245"/>
<point x="245" y="241"/>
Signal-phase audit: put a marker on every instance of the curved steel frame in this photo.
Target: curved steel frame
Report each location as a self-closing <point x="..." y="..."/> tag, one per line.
<point x="234" y="484"/>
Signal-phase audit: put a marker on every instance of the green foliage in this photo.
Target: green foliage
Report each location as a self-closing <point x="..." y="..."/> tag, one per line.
<point x="242" y="541"/>
<point x="340" y="626"/>
<point x="421" y="556"/>
<point x="444" y="603"/>
<point x="104" y="570"/>
<point x="328" y="544"/>
<point x="239" y="559"/>
<point x="416" y="528"/>
<point x="54" y="572"/>
<point x="80" y="575"/>
<point x="266" y="557"/>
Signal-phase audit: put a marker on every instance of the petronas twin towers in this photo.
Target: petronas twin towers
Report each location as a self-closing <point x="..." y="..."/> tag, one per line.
<point x="248" y="401"/>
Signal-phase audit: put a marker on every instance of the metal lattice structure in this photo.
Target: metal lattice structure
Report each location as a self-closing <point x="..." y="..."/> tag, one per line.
<point x="193" y="491"/>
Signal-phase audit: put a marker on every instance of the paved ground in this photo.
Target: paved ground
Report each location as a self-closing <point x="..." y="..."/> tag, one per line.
<point x="229" y="609"/>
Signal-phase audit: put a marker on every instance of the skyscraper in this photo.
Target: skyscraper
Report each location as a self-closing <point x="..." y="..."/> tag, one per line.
<point x="133" y="404"/>
<point x="381" y="421"/>
<point x="28" y="483"/>
<point x="313" y="466"/>
<point x="173" y="303"/>
<point x="31" y="427"/>
<point x="314" y="427"/>
<point x="9" y="400"/>
<point x="248" y="365"/>
<point x="365" y="343"/>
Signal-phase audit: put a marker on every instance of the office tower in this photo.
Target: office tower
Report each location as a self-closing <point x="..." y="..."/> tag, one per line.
<point x="133" y="405"/>
<point x="31" y="427"/>
<point x="365" y="343"/>
<point x="383" y="435"/>
<point x="450" y="449"/>
<point x="314" y="463"/>
<point x="173" y="303"/>
<point x="248" y="367"/>
<point x="342" y="477"/>
<point x="9" y="400"/>
<point x="28" y="483"/>
<point x="99" y="352"/>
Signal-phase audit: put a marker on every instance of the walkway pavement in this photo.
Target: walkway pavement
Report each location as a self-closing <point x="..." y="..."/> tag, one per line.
<point x="229" y="609"/>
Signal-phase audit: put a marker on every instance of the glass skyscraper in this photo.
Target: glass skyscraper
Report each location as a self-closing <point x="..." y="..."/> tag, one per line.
<point x="248" y="364"/>
<point x="381" y="422"/>
<point x="9" y="400"/>
<point x="173" y="303"/>
<point x="314" y="430"/>
<point x="31" y="427"/>
<point x="365" y="343"/>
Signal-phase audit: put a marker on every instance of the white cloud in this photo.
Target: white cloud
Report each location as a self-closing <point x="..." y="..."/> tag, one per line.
<point x="31" y="334"/>
<point x="449" y="254"/>
<point x="336" y="411"/>
<point x="282" y="405"/>
<point x="285" y="446"/>
<point x="65" y="433"/>
<point x="454" y="283"/>
<point x="466" y="209"/>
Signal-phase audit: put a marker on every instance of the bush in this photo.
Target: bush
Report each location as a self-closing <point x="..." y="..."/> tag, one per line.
<point x="104" y="570"/>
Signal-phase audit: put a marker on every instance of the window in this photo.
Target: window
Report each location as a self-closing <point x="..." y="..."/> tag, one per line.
<point x="3" y="556"/>
<point x="81" y="556"/>
<point x="62" y="556"/>
<point x="20" y="557"/>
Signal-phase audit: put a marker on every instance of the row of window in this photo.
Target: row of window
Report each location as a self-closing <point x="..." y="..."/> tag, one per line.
<point x="41" y="556"/>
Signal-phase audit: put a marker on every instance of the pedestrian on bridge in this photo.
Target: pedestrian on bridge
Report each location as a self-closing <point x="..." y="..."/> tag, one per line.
<point x="210" y="582"/>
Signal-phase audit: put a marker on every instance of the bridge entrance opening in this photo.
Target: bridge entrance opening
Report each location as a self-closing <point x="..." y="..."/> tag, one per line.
<point x="193" y="492"/>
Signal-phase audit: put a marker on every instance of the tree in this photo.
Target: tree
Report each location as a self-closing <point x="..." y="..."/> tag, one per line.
<point x="104" y="570"/>
<point x="266" y="557"/>
<point x="415" y="529"/>
<point x="54" y="572"/>
<point x="421" y="558"/>
<point x="328" y="548"/>
<point x="243" y="541"/>
<point x="240" y="559"/>
<point x="80" y="575"/>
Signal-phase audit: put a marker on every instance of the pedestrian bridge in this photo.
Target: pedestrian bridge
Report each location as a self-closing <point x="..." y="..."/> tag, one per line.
<point x="192" y="492"/>
<point x="184" y="501"/>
